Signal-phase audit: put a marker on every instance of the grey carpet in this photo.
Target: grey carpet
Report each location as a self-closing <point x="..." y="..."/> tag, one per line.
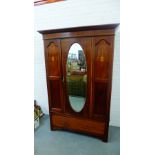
<point x="48" y="142"/>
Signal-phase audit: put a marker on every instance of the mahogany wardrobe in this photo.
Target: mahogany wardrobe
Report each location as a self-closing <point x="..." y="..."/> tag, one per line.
<point x="79" y="64"/>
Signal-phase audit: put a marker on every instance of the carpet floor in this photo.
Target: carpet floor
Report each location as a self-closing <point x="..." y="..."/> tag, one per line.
<point x="47" y="142"/>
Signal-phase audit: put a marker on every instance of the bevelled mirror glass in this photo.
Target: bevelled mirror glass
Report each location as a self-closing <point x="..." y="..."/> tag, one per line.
<point x="76" y="77"/>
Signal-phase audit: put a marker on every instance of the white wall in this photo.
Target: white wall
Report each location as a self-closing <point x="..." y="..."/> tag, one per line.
<point x="72" y="13"/>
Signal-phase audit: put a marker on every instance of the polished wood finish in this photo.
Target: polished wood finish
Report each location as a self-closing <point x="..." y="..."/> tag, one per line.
<point x="105" y="28"/>
<point x="79" y="34"/>
<point x="53" y="73"/>
<point x="102" y="75"/>
<point x="97" y="43"/>
<point x="77" y="124"/>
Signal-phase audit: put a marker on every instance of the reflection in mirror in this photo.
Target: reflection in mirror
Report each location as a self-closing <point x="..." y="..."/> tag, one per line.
<point x="76" y="77"/>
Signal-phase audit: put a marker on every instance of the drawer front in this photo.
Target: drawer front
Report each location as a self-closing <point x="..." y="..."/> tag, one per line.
<point x="76" y="124"/>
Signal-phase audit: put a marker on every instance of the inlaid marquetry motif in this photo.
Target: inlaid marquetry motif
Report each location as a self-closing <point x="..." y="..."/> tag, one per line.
<point x="52" y="50"/>
<point x="52" y="58"/>
<point x="102" y="58"/>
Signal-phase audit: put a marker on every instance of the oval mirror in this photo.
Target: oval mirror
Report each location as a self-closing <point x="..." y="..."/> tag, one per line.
<point x="76" y="77"/>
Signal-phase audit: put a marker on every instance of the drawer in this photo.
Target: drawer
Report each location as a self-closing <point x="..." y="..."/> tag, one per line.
<point x="76" y="124"/>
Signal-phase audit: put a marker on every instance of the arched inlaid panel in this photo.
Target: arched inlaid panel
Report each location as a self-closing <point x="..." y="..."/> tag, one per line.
<point x="101" y="63"/>
<point x="102" y="58"/>
<point x="53" y="56"/>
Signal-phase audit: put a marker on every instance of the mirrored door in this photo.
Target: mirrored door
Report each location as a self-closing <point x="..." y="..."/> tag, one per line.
<point x="76" y="74"/>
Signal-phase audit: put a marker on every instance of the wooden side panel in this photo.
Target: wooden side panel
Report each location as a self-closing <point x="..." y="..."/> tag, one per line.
<point x="102" y="69"/>
<point x="55" y="93"/>
<point x="53" y="73"/>
<point x="100" y="97"/>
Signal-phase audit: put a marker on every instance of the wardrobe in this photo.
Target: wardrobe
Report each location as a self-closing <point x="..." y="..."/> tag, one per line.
<point x="79" y="64"/>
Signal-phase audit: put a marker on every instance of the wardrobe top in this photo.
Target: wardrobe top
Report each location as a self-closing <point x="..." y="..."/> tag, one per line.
<point x="84" y="28"/>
